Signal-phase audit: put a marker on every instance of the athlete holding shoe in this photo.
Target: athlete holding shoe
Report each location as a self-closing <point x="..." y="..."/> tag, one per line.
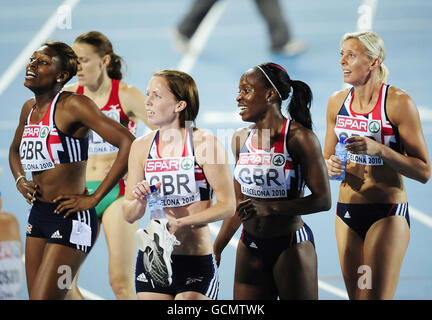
<point x="187" y="165"/>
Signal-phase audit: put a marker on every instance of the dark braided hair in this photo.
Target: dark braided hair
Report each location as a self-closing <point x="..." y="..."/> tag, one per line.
<point x="68" y="59"/>
<point x="301" y="98"/>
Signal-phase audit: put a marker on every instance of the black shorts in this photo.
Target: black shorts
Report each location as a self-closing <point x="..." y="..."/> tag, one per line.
<point x="190" y="273"/>
<point x="269" y="249"/>
<point x="77" y="231"/>
<point x="360" y="217"/>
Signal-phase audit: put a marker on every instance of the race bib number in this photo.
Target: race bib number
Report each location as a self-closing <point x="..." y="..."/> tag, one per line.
<point x="10" y="270"/>
<point x="262" y="175"/>
<point x="97" y="145"/>
<point x="177" y="176"/>
<point x="365" y="159"/>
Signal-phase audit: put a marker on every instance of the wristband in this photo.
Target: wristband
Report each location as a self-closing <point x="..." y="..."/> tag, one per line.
<point x="18" y="179"/>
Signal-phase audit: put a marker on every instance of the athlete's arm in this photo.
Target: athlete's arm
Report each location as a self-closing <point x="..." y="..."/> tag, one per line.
<point x="27" y="188"/>
<point x="231" y="225"/>
<point x="134" y="203"/>
<point x="133" y="103"/>
<point x="82" y="110"/>
<point x="403" y="113"/>
<point x="214" y="161"/>
<point x="333" y="164"/>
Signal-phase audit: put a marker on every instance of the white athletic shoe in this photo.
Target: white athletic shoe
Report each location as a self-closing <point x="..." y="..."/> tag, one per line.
<point x="142" y="239"/>
<point x="158" y="244"/>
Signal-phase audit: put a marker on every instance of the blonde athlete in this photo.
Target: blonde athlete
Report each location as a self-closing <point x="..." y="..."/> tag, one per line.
<point x="385" y="142"/>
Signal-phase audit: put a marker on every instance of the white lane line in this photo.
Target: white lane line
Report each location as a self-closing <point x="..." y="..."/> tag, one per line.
<point x="425" y="113"/>
<point x="217" y="117"/>
<point x="420" y="216"/>
<point x="89" y="295"/>
<point x="19" y="63"/>
<point x="214" y="229"/>
<point x="200" y="37"/>
<point x="332" y="289"/>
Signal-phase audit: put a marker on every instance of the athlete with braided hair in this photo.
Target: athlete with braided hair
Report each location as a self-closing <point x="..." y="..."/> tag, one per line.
<point x="276" y="157"/>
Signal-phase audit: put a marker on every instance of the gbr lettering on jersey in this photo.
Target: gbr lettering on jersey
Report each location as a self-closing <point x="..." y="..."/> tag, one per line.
<point x="267" y="173"/>
<point x="178" y="179"/>
<point x="43" y="145"/>
<point x="261" y="175"/>
<point x="34" y="152"/>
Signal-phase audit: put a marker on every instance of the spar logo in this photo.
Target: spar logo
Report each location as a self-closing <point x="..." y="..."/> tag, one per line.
<point x="259" y="159"/>
<point x="374" y="126"/>
<point x="278" y="160"/>
<point x="35" y="132"/>
<point x="160" y="165"/>
<point x="44" y="132"/>
<point x="354" y="124"/>
<point x="254" y="159"/>
<point x="186" y="164"/>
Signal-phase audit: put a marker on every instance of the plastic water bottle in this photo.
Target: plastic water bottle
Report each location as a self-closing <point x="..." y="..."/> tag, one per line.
<point x="341" y="153"/>
<point x="154" y="202"/>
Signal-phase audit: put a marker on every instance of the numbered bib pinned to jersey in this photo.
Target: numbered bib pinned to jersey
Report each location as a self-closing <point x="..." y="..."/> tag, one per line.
<point x="34" y="151"/>
<point x="261" y="175"/>
<point x="97" y="145"/>
<point x="177" y="176"/>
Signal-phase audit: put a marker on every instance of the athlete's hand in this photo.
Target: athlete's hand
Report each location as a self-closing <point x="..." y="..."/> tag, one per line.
<point x="334" y="166"/>
<point x="28" y="189"/>
<point x="172" y="225"/>
<point x="217" y="254"/>
<point x="74" y="203"/>
<point x="364" y="145"/>
<point x="250" y="207"/>
<point x="142" y="189"/>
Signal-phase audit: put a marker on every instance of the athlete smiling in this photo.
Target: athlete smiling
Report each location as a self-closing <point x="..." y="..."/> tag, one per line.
<point x="276" y="158"/>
